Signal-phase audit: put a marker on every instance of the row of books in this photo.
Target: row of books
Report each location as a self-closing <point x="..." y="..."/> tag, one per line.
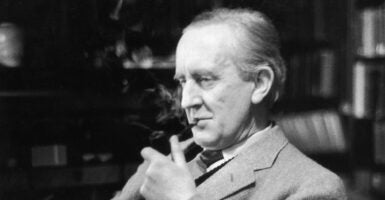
<point x="319" y="131"/>
<point x="368" y="89"/>
<point x="312" y="73"/>
<point x="306" y="20"/>
<point x="371" y="33"/>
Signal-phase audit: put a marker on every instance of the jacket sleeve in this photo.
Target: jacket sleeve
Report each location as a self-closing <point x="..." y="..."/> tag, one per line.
<point x="328" y="189"/>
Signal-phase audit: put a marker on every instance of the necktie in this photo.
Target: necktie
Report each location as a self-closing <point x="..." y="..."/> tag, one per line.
<point x="208" y="157"/>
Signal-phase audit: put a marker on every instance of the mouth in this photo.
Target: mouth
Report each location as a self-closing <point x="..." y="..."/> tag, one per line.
<point x="200" y="119"/>
<point x="195" y="117"/>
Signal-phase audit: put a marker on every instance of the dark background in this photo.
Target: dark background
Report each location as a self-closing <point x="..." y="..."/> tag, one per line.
<point x="74" y="90"/>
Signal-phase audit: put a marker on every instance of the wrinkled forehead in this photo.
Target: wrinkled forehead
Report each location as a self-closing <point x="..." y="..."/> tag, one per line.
<point x="207" y="47"/>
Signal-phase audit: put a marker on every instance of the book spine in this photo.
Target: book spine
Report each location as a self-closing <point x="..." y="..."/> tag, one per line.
<point x="328" y="72"/>
<point x="379" y="142"/>
<point x="359" y="85"/>
<point x="335" y="131"/>
<point x="366" y="82"/>
<point x="372" y="28"/>
<point x="368" y="32"/>
<point x="380" y="107"/>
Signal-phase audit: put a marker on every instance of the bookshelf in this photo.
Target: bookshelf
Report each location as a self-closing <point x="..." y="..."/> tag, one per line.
<point x="65" y="182"/>
<point x="312" y="70"/>
<point x="91" y="112"/>
<point x="315" y="48"/>
<point x="368" y="91"/>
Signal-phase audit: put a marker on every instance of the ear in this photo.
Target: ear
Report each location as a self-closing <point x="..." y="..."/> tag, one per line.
<point x="263" y="83"/>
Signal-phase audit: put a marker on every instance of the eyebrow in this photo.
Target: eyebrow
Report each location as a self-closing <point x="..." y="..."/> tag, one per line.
<point x="219" y="63"/>
<point x="200" y="72"/>
<point x="195" y="73"/>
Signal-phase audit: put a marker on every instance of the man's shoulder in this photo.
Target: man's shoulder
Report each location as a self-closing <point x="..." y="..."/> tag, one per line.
<point x="293" y="174"/>
<point x="292" y="159"/>
<point x="304" y="175"/>
<point x="297" y="157"/>
<point x="295" y="161"/>
<point x="282" y="160"/>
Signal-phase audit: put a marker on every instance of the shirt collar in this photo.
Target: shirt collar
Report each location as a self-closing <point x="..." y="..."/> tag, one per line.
<point x="234" y="150"/>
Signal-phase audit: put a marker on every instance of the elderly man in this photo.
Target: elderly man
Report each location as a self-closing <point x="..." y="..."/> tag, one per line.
<point x="230" y="69"/>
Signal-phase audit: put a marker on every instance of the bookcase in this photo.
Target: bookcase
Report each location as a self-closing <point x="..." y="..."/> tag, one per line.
<point x="368" y="91"/>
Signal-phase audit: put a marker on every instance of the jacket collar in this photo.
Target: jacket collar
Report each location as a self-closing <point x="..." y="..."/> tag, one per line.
<point x="239" y="172"/>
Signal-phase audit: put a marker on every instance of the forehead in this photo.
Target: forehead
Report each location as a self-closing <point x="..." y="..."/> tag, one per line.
<point x="204" y="48"/>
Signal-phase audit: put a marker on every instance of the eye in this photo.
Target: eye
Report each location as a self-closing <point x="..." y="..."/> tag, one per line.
<point x="205" y="81"/>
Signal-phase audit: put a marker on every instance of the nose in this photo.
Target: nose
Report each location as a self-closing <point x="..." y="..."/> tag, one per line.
<point x="191" y="96"/>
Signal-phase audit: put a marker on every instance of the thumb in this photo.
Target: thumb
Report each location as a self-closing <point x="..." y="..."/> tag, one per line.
<point x="150" y="154"/>
<point x="176" y="152"/>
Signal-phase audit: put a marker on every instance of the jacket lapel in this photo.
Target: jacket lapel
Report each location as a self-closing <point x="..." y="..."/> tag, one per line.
<point x="240" y="172"/>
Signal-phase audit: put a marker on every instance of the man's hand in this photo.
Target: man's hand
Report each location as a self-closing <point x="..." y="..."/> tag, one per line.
<point x="167" y="179"/>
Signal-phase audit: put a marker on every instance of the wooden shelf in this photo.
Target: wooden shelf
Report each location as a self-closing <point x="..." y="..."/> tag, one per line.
<point x="305" y="103"/>
<point x="64" y="177"/>
<point x="108" y="80"/>
<point x="374" y="60"/>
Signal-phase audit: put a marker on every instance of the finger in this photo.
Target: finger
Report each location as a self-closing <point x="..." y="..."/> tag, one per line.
<point x="150" y="154"/>
<point x="176" y="151"/>
<point x="142" y="189"/>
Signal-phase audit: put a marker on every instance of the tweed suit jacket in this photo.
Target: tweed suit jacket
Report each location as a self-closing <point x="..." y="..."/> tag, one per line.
<point x="270" y="169"/>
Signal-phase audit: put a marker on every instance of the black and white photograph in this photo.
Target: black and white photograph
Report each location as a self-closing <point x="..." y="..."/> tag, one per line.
<point x="192" y="99"/>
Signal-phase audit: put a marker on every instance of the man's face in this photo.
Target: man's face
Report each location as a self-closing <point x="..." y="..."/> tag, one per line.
<point x="214" y="95"/>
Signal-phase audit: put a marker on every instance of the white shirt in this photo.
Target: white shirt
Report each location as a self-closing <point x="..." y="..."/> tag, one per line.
<point x="234" y="150"/>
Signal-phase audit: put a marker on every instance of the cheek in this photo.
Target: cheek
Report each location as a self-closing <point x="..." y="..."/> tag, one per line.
<point x="232" y="108"/>
<point x="233" y="101"/>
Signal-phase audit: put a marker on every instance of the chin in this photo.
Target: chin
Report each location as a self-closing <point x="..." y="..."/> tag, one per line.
<point x="206" y="140"/>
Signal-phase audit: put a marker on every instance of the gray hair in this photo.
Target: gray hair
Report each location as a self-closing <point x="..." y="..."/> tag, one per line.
<point x="258" y="41"/>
